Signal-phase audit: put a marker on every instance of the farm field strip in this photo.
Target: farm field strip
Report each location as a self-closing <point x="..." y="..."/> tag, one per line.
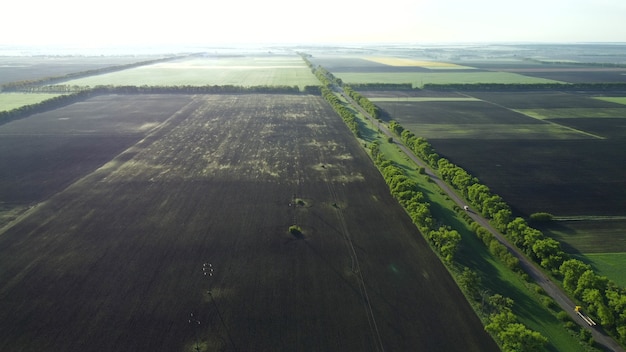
<point x="498" y="131"/>
<point x="418" y="79"/>
<point x="397" y="61"/>
<point x="209" y="72"/>
<point x="421" y="99"/>
<point x="575" y="130"/>
<point x="10" y="101"/>
<point x="618" y="100"/>
<point x="115" y="260"/>
<point x="543" y="114"/>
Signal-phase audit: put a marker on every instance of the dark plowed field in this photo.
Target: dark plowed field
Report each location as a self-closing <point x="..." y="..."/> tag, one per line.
<point x="114" y="262"/>
<point x="45" y="153"/>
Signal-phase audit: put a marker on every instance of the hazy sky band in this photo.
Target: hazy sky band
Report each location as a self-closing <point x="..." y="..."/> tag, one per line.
<point x="129" y="22"/>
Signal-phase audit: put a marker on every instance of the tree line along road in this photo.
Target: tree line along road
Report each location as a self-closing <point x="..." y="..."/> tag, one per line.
<point x="526" y="264"/>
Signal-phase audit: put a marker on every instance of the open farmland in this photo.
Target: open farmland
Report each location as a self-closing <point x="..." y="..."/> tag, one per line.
<point x="497" y="137"/>
<point x="556" y="152"/>
<point x="361" y="70"/>
<point x="114" y="262"/>
<point x="261" y="70"/>
<point x="41" y="155"/>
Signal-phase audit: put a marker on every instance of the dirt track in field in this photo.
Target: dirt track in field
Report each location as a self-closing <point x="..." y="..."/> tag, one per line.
<point x="114" y="263"/>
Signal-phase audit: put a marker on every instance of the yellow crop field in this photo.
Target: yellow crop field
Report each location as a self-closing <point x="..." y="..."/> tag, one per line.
<point x="397" y="61"/>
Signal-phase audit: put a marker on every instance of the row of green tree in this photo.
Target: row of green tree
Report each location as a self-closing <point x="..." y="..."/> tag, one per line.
<point x="340" y="108"/>
<point x="603" y="298"/>
<point x="27" y="85"/>
<point x="444" y="239"/>
<point x="363" y="102"/>
<point x="502" y="322"/>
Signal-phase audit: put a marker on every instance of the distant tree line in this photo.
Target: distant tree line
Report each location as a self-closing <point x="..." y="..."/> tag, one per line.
<point x="346" y="114"/>
<point x="363" y="102"/>
<point x="28" y="85"/>
<point x="604" y="299"/>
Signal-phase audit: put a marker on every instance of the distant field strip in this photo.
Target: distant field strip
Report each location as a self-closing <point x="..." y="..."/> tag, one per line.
<point x="418" y="79"/>
<point x="618" y="100"/>
<point x="9" y="101"/>
<point x="533" y="114"/>
<point x="238" y="71"/>
<point x="423" y="99"/>
<point x="557" y="113"/>
<point x="396" y="61"/>
<point x="496" y="131"/>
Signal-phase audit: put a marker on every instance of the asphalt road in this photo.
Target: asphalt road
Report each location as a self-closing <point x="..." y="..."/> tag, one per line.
<point x="529" y="266"/>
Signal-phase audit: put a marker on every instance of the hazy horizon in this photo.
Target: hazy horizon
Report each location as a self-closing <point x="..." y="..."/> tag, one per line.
<point x="120" y="23"/>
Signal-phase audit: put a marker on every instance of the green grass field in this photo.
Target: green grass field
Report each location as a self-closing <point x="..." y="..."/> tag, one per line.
<point x="243" y="71"/>
<point x="418" y="79"/>
<point x="597" y="236"/>
<point x="9" y="101"/>
<point x="610" y="265"/>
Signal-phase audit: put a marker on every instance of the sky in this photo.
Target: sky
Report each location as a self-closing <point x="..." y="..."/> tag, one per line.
<point x="87" y="23"/>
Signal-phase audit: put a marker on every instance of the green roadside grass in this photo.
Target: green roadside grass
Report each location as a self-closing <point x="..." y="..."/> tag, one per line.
<point x="530" y="306"/>
<point x="10" y="101"/>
